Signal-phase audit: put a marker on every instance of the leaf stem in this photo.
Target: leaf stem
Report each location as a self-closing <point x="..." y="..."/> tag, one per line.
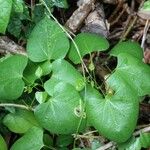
<point x="16" y="105"/>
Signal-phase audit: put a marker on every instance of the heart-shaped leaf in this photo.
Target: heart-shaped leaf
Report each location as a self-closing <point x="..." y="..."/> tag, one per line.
<point x="64" y="71"/>
<point x="128" y="47"/>
<point x="63" y="112"/>
<point x="132" y="72"/>
<point x="87" y="43"/>
<point x="20" y="121"/>
<point x="3" y="144"/>
<point x="114" y="116"/>
<point x="5" y="10"/>
<point x="11" y="83"/>
<point x="47" y="41"/>
<point x="32" y="140"/>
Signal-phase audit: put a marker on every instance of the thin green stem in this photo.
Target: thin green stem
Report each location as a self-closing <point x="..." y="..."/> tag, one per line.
<point x="78" y="51"/>
<point x="16" y="106"/>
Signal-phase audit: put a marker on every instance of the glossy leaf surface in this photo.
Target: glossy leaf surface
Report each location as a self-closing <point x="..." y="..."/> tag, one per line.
<point x="87" y="43"/>
<point x="132" y="72"/>
<point x="62" y="113"/>
<point x="47" y="41"/>
<point x="20" y="121"/>
<point x="11" y="83"/>
<point x="5" y="10"/>
<point x="114" y="116"/>
<point x="64" y="71"/>
<point x="32" y="140"/>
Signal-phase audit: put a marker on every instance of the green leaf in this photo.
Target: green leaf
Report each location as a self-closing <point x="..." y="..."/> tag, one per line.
<point x="62" y="113"/>
<point x="136" y="143"/>
<point x="133" y="73"/>
<point x="64" y="140"/>
<point x="145" y="140"/>
<point x="14" y="26"/>
<point x="51" y="43"/>
<point x="61" y="3"/>
<point x="58" y="3"/>
<point x="11" y="77"/>
<point x="18" y="6"/>
<point x="3" y="144"/>
<point x="29" y="72"/>
<point x="48" y="140"/>
<point x="20" y="121"/>
<point x="41" y="97"/>
<point x="87" y="43"/>
<point x="32" y="140"/>
<point x="5" y="10"/>
<point x="38" y="13"/>
<point x="43" y="69"/>
<point x="128" y="47"/>
<point x="114" y="116"/>
<point x="64" y="71"/>
<point x="146" y="6"/>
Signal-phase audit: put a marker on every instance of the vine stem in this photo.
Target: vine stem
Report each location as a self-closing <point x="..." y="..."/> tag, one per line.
<point x="64" y="30"/>
<point x="84" y="68"/>
<point x="16" y="105"/>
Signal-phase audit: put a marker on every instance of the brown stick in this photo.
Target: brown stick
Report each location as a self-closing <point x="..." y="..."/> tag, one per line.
<point x="79" y="15"/>
<point x="9" y="46"/>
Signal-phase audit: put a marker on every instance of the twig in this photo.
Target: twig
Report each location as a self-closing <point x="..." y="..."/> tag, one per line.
<point x="116" y="20"/>
<point x="145" y="33"/>
<point x="79" y="15"/>
<point x="16" y="105"/>
<point x="146" y="129"/>
<point x="129" y="28"/>
<point x="116" y="10"/>
<point x="9" y="46"/>
<point x="106" y="146"/>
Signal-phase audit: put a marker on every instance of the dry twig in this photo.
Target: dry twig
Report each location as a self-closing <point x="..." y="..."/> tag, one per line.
<point x="9" y="46"/>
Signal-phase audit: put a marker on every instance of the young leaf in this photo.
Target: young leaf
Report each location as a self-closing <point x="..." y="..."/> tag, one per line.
<point x="51" y="43"/>
<point x="41" y="97"/>
<point x="64" y="71"/>
<point x="5" y="10"/>
<point x="87" y="43"/>
<point x="11" y="77"/>
<point x="32" y="140"/>
<point x="114" y="116"/>
<point x="62" y="113"/>
<point x="20" y="121"/>
<point x="3" y="145"/>
<point x="44" y="68"/>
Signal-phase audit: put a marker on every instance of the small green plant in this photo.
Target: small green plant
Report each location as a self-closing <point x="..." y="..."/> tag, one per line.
<point x="61" y="100"/>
